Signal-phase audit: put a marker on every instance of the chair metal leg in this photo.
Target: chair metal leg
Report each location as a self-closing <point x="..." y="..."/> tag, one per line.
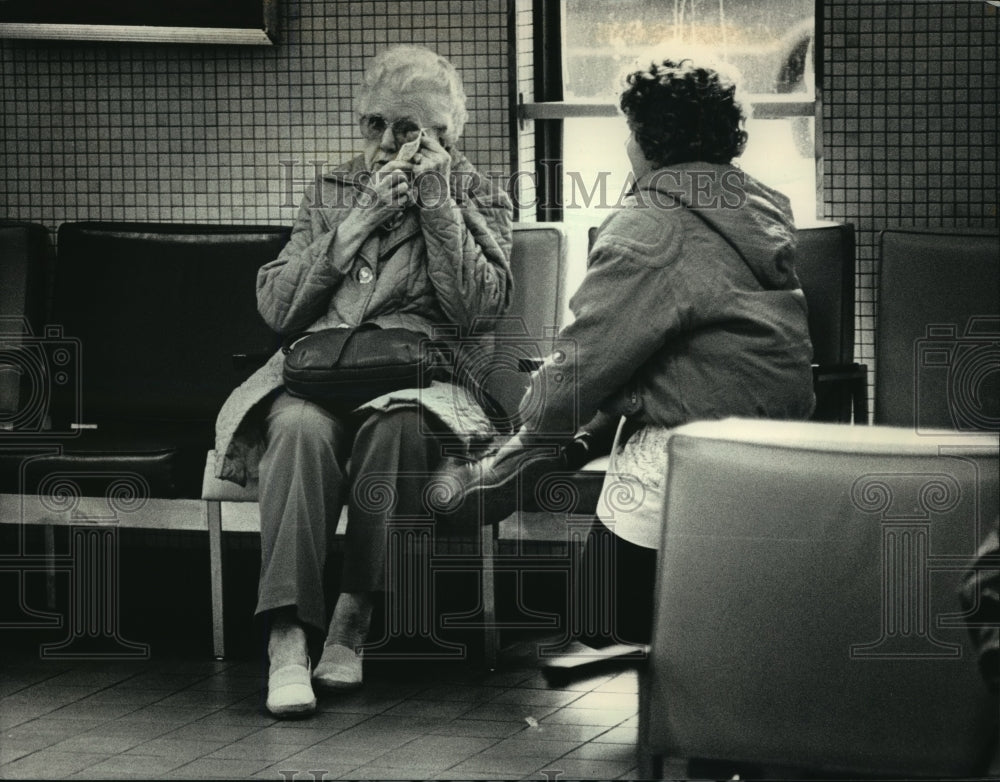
<point x="213" y="520"/>
<point x="50" y="567"/>
<point x="491" y="633"/>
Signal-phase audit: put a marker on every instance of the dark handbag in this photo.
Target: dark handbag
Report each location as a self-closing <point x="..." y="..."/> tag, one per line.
<point x="351" y="366"/>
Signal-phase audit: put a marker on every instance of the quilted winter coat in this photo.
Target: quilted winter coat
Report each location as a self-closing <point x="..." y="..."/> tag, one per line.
<point x="444" y="265"/>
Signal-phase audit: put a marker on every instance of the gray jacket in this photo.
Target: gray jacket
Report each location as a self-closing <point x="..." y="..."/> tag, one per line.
<point x="690" y="309"/>
<point x="443" y="266"/>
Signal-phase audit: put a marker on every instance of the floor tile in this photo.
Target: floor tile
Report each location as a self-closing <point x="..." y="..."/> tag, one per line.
<point x="613" y="752"/>
<point x="619" y="735"/>
<point x="85" y="710"/>
<point x="511" y="712"/>
<point x="179" y="715"/>
<point x="98" y="744"/>
<point x="57" y="730"/>
<point x="129" y="767"/>
<point x="586" y="769"/>
<point x="375" y="771"/>
<point x="46" y="692"/>
<point x="285" y="772"/>
<point x="199" y="731"/>
<point x="216" y="699"/>
<point x="361" y="702"/>
<point x="612" y="701"/>
<point x="176" y="748"/>
<point x="501" y="767"/>
<point x="216" y="768"/>
<point x="46" y="764"/>
<point x="575" y="716"/>
<point x="434" y="753"/>
<point x="534" y="746"/>
<point x="623" y="682"/>
<point x="229" y="682"/>
<point x="12" y="749"/>
<point x="269" y="752"/>
<point x="127" y="728"/>
<point x="460" y="692"/>
<point x="325" y="755"/>
<point x="562" y="732"/>
<point x="386" y="725"/>
<point x="127" y="697"/>
<point x="483" y="728"/>
<point x="161" y="681"/>
<point x="237" y="716"/>
<point x="439" y="710"/>
<point x="532" y="697"/>
<point x="94" y="676"/>
<point x="12" y="716"/>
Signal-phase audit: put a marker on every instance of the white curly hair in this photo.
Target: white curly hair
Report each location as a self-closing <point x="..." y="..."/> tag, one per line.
<point x="410" y="69"/>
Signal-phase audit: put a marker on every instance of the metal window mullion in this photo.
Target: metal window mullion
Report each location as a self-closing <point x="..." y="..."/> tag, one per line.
<point x="555" y="110"/>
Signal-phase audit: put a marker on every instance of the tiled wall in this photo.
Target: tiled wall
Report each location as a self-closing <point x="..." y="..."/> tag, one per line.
<point x="525" y="195"/>
<point x="909" y="124"/>
<point x="224" y="134"/>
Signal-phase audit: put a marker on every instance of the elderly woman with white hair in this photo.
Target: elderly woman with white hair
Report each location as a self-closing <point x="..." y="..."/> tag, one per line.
<point x="412" y="243"/>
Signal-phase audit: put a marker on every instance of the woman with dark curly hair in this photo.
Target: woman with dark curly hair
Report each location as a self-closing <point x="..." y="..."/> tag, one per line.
<point x="690" y="309"/>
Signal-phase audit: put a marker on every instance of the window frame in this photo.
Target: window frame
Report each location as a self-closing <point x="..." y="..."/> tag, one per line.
<point x="548" y="110"/>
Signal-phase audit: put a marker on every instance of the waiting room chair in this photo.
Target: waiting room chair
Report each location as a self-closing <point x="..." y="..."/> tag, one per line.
<point x="825" y="262"/>
<point x="937" y="334"/>
<point x="807" y="609"/>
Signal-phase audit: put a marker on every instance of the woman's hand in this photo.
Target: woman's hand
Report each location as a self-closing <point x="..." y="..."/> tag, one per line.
<point x="388" y="193"/>
<point x="431" y="173"/>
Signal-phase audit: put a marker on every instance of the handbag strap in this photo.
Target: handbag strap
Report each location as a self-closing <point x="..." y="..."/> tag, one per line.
<point x="714" y="229"/>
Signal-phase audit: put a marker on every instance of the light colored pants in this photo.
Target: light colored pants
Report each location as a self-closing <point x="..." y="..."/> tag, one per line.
<point x="304" y="484"/>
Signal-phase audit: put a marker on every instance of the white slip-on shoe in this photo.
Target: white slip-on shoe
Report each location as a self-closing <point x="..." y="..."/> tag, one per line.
<point x="339" y="668"/>
<point x="289" y="691"/>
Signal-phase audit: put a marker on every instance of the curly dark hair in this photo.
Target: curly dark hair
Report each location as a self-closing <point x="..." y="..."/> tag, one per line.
<point x="682" y="113"/>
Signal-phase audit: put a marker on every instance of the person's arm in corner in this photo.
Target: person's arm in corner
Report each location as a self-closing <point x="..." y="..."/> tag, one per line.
<point x="624" y="312"/>
<point x="468" y="246"/>
<point x="294" y="289"/>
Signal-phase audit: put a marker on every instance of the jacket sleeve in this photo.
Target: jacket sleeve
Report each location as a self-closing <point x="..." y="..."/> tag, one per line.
<point x="625" y="309"/>
<point x="294" y="289"/>
<point x="468" y="257"/>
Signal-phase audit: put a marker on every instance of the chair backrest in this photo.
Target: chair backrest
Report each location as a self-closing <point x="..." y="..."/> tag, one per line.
<point x="538" y="264"/>
<point x="808" y="612"/>
<point x="937" y="363"/>
<point x="24" y="268"/>
<point x="159" y="309"/>
<point x="824" y="262"/>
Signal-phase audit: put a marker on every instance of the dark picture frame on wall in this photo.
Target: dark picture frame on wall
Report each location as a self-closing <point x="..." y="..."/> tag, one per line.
<point x="251" y="22"/>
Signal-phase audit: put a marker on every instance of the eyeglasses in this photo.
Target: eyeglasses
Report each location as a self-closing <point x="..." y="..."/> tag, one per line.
<point x="373" y="127"/>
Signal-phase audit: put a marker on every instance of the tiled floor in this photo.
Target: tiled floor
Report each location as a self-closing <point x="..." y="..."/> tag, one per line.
<point x="202" y="719"/>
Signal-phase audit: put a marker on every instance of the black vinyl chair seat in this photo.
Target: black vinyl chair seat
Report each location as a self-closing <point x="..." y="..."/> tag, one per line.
<point x="160" y="460"/>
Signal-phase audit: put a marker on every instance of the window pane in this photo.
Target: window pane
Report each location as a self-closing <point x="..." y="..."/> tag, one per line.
<point x="766" y="41"/>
